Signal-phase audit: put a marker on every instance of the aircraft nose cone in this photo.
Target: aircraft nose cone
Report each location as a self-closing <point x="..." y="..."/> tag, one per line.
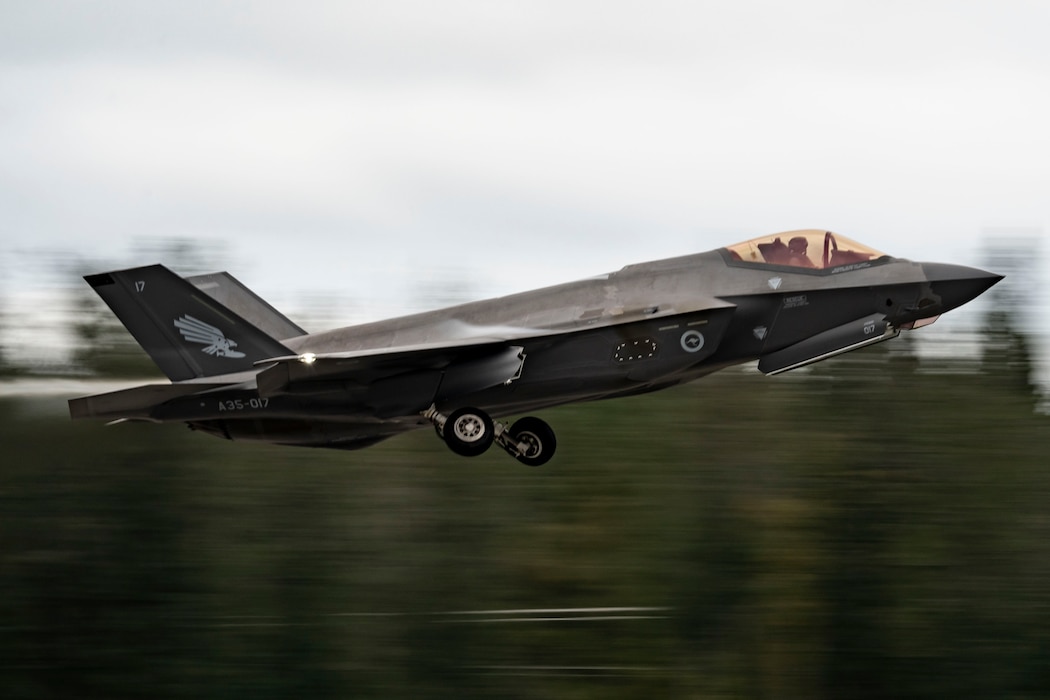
<point x="957" y="284"/>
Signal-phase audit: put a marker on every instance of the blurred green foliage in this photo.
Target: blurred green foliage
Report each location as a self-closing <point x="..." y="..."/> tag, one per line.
<point x="872" y="527"/>
<point x="102" y="346"/>
<point x="7" y="369"/>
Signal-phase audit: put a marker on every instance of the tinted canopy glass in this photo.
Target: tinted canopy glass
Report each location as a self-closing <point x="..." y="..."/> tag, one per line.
<point x="811" y="249"/>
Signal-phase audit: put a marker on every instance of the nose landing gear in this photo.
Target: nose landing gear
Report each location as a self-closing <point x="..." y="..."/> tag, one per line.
<point x="470" y="432"/>
<point x="530" y="441"/>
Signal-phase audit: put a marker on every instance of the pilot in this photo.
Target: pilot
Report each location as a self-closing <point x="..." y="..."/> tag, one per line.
<point x="797" y="252"/>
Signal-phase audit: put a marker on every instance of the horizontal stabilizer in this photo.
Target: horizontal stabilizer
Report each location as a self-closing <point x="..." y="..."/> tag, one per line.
<point x="132" y="403"/>
<point x="850" y="336"/>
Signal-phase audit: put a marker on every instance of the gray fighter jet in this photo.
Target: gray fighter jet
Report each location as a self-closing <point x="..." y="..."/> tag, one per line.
<point x="241" y="370"/>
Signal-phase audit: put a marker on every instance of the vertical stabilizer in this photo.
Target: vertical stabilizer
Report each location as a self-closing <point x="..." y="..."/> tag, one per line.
<point x="231" y="293"/>
<point x="186" y="332"/>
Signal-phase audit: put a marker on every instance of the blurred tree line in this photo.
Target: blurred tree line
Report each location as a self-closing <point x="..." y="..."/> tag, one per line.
<point x="102" y="346"/>
<point x="875" y="526"/>
<point x="7" y="368"/>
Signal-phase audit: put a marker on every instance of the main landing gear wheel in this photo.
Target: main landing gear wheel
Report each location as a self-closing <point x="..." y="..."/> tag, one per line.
<point x="468" y="432"/>
<point x="536" y="437"/>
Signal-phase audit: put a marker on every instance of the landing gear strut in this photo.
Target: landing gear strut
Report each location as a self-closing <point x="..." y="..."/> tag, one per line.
<point x="470" y="432"/>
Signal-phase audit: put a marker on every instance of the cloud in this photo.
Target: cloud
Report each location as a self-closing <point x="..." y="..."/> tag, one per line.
<point x="578" y="126"/>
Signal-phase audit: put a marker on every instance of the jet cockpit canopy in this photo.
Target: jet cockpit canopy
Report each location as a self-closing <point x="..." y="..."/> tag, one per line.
<point x="811" y="248"/>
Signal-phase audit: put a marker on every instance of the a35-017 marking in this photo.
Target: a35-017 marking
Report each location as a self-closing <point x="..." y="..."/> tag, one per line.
<point x="242" y="404"/>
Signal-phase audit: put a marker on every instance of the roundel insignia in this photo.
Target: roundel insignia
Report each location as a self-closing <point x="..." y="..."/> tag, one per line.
<point x="692" y="341"/>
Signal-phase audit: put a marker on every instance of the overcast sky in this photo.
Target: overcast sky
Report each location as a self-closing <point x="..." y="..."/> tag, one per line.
<point x="377" y="150"/>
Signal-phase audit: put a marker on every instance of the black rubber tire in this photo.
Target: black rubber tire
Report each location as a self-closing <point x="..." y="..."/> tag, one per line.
<point x="540" y="437"/>
<point x="468" y="432"/>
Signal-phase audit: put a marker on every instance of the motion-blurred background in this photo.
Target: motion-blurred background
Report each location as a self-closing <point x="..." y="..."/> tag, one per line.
<point x="873" y="526"/>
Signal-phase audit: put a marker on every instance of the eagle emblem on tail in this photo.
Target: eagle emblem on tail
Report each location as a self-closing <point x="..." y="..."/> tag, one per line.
<point x="215" y="341"/>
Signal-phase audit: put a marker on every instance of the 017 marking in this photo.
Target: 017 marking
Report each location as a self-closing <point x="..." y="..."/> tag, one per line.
<point x="242" y="404"/>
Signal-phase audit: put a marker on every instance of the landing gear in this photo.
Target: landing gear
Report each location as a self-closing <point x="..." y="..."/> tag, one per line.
<point x="470" y="432"/>
<point x="532" y="441"/>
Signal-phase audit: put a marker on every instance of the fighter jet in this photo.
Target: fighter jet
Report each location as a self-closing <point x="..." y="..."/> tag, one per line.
<point x="242" y="371"/>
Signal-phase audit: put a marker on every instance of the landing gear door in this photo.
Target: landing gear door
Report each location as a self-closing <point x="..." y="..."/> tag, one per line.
<point x="850" y="336"/>
<point x="482" y="373"/>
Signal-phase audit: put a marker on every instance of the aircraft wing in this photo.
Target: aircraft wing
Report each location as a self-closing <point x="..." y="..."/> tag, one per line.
<point x="493" y="362"/>
<point x="397" y="380"/>
<point x="484" y="356"/>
